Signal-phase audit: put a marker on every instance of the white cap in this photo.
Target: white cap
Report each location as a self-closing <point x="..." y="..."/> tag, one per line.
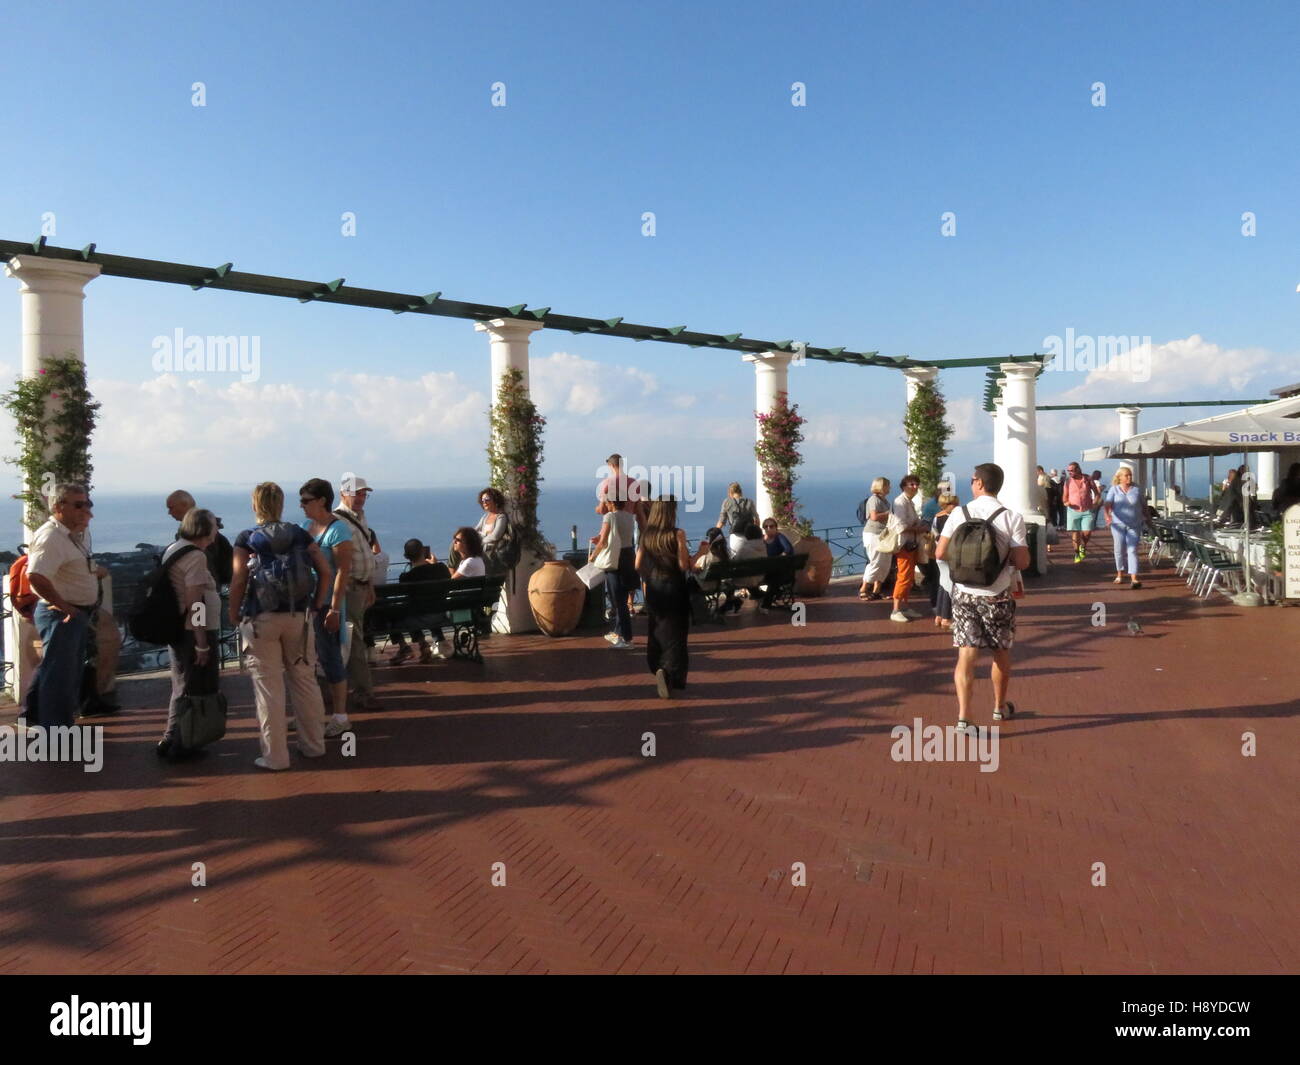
<point x="352" y="484"/>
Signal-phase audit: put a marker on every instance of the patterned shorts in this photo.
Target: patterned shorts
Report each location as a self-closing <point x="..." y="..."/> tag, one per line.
<point x="983" y="620"/>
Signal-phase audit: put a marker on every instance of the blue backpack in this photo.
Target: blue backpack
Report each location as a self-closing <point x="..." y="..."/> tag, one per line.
<point x="281" y="578"/>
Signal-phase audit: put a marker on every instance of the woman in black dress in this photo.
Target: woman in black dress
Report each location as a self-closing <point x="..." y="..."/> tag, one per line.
<point x="663" y="562"/>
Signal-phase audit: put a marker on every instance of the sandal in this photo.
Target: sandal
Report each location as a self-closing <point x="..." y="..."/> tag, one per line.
<point x="1007" y="711"/>
<point x="1118" y="580"/>
<point x="864" y="595"/>
<point x="1135" y="585"/>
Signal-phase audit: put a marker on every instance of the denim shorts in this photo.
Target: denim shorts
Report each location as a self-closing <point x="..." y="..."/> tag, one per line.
<point x="329" y="650"/>
<point x="1079" y="520"/>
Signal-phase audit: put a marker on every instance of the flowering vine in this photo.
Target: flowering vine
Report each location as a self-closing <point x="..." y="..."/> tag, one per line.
<point x="777" y="451"/>
<point x="54" y="415"/>
<point x="515" y="458"/>
<point x="927" y="435"/>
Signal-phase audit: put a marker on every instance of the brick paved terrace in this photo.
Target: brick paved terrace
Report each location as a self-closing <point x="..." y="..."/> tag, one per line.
<point x="1129" y="753"/>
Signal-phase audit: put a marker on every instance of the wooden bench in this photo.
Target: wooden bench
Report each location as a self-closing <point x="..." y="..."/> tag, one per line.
<point x="466" y="604"/>
<point x="776" y="571"/>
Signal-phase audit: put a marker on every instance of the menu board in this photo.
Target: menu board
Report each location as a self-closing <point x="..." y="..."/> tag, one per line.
<point x="1291" y="550"/>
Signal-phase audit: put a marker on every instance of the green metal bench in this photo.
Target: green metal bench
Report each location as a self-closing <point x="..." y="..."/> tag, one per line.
<point x="466" y="604"/>
<point x="776" y="571"/>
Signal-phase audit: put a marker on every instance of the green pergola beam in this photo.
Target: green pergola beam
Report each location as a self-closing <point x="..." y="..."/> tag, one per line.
<point x="224" y="277"/>
<point x="1170" y="403"/>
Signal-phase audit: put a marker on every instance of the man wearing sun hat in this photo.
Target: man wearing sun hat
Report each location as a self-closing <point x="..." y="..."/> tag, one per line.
<point x="355" y="491"/>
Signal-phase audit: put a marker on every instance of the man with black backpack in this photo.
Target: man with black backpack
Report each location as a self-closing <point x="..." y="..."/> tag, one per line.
<point x="985" y="547"/>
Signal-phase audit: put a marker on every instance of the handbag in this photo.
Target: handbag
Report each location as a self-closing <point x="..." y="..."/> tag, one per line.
<point x="200" y="719"/>
<point x="591" y="575"/>
<point x="887" y="541"/>
<point x="924" y="548"/>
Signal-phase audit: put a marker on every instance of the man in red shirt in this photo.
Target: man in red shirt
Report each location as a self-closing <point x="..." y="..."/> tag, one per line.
<point x="1079" y="495"/>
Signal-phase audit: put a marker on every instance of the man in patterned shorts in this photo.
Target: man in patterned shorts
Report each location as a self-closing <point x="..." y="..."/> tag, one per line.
<point x="985" y="616"/>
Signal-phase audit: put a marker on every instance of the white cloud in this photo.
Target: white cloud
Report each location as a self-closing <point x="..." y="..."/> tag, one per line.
<point x="195" y="430"/>
<point x="1191" y="368"/>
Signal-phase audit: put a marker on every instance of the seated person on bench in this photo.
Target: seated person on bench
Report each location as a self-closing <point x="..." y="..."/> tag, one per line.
<point x="712" y="550"/>
<point x="423" y="568"/>
<point x="753" y="547"/>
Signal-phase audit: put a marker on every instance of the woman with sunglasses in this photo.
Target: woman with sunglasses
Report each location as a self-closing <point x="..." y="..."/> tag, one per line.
<point x="467" y="546"/>
<point x="492" y="526"/>
<point x="334" y="538"/>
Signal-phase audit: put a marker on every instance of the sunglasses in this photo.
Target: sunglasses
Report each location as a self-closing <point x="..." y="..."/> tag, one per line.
<point x="81" y="504"/>
<point x="458" y="539"/>
<point x="302" y="502"/>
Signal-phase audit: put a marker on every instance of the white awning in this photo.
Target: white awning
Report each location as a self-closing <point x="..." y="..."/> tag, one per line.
<point x="1264" y="427"/>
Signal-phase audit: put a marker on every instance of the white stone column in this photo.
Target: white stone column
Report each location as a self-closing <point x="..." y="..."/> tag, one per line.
<point x="509" y="340"/>
<point x="916" y="376"/>
<point x="52" y="294"/>
<point x="1020" y="437"/>
<point x="771" y="378"/>
<point x="1266" y="479"/>
<point x="1128" y="427"/>
<point x="1000" y="431"/>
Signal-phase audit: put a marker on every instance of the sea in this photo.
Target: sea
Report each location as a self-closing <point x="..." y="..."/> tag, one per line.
<point x="123" y="522"/>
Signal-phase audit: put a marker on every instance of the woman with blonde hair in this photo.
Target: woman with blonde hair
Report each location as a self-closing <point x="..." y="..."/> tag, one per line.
<point x="281" y="578"/>
<point x="1123" y="506"/>
<point x="874" y="515"/>
<point x="663" y="561"/>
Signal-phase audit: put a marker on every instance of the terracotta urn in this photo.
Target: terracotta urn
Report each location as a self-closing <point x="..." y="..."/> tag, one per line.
<point x="557" y="595"/>
<point x="813" y="579"/>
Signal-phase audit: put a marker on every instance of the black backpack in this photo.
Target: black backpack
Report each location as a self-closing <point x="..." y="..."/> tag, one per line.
<point x="862" y="511"/>
<point x="505" y="553"/>
<point x="155" y="615"/>
<point x="972" y="553"/>
<point x="221" y="560"/>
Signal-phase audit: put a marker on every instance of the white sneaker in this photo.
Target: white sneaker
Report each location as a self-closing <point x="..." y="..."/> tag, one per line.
<point x="618" y="641"/>
<point x="913" y="615"/>
<point x="439" y="649"/>
<point x="612" y="637"/>
<point x="898" y="615"/>
<point x="335" y="727"/>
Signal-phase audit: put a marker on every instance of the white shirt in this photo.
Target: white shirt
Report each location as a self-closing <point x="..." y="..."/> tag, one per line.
<point x="55" y="553"/>
<point x="472" y="567"/>
<point x="1008" y="529"/>
<point x="363" y="558"/>
<point x="905" y="511"/>
<point x="192" y="581"/>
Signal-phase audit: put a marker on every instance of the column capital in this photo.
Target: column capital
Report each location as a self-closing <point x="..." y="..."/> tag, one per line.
<point x="1128" y="410"/>
<point x="921" y="374"/>
<point x="1020" y="370"/>
<point x="508" y="328"/>
<point x="774" y="359"/>
<point x="39" y="274"/>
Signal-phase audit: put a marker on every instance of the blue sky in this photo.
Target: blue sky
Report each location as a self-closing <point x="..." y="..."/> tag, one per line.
<point x="819" y="222"/>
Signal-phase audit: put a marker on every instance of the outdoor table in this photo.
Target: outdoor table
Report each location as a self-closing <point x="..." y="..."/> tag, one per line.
<point x="1234" y="541"/>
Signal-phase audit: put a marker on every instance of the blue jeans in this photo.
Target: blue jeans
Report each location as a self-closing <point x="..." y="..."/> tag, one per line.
<point x="56" y="693"/>
<point x="1125" y="539"/>
<point x="618" y="589"/>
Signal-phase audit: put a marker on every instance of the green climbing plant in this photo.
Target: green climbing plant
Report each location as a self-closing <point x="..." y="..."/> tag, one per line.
<point x="780" y="434"/>
<point x="927" y="432"/>
<point x="515" y="459"/>
<point x="54" y="416"/>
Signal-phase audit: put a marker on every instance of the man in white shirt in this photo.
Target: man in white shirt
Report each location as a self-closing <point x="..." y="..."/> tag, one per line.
<point x="985" y="615"/>
<point x="62" y="574"/>
<point x="361" y="592"/>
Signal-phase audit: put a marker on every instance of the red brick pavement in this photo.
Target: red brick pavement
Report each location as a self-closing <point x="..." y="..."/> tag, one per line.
<point x="1129" y="753"/>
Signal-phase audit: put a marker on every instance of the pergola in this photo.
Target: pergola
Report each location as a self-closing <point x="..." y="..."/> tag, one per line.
<point x="52" y="282"/>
